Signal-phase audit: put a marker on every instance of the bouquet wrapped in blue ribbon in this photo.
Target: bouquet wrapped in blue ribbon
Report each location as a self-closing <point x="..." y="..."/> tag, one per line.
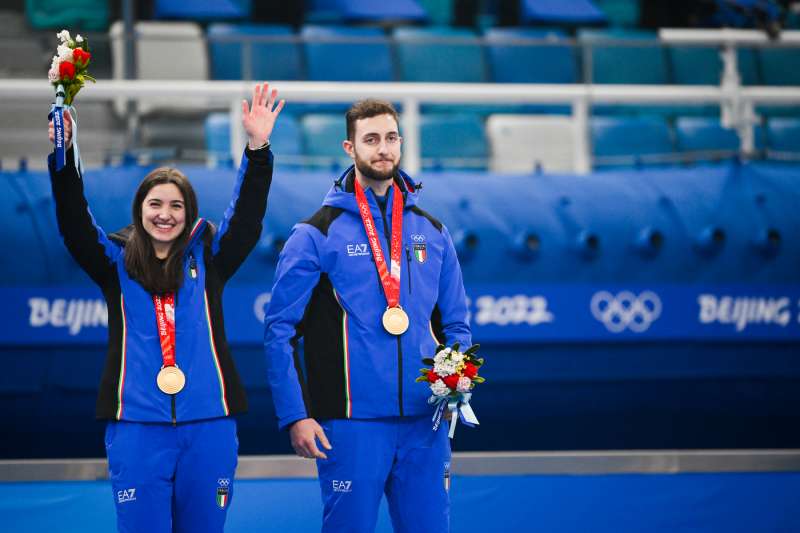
<point x="451" y="376"/>
<point x="68" y="73"/>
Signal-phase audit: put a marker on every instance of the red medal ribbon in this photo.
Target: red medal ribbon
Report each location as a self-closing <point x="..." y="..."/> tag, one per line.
<point x="166" y="326"/>
<point x="390" y="281"/>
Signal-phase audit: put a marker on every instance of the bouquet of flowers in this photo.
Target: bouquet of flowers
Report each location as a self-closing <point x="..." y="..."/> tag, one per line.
<point x="67" y="74"/>
<point x="70" y="64"/>
<point x="451" y="376"/>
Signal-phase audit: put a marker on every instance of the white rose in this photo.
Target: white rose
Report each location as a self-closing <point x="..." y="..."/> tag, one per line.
<point x="439" y="357"/>
<point x="52" y="74"/>
<point x="64" y="52"/>
<point x="438" y="388"/>
<point x="464" y="384"/>
<point x="442" y="369"/>
<point x="79" y="38"/>
<point x="63" y="35"/>
<point x="55" y="63"/>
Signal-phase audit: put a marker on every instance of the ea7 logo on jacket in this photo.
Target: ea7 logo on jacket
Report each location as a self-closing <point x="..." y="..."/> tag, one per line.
<point x="354" y="250"/>
<point x="128" y="495"/>
<point x="342" y="486"/>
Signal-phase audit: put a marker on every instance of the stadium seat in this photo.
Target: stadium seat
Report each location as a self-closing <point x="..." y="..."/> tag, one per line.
<point x="779" y="66"/>
<point x="636" y="57"/>
<point x="453" y="141"/>
<point x="563" y="12"/>
<point x="285" y="140"/>
<point x="59" y="14"/>
<point x="439" y="54"/>
<point x="322" y="139"/>
<point x="620" y="13"/>
<point x="205" y="10"/>
<point x="273" y="55"/>
<point x="548" y="59"/>
<point x="696" y="65"/>
<point x="783" y="134"/>
<point x="366" y="11"/>
<point x="705" y="138"/>
<point x="164" y="51"/>
<point x="341" y="53"/>
<point x="625" y="141"/>
<point x="524" y="143"/>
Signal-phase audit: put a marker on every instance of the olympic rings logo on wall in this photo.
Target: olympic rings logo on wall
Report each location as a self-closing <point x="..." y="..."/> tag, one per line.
<point x="626" y="310"/>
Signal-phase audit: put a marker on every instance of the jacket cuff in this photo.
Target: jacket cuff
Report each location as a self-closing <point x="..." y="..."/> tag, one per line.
<point x="260" y="157"/>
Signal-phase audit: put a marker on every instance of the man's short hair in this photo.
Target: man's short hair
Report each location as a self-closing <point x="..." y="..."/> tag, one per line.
<point x="367" y="109"/>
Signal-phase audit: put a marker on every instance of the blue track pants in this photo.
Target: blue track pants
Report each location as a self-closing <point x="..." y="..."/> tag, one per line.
<point x="172" y="479"/>
<point x="400" y="457"/>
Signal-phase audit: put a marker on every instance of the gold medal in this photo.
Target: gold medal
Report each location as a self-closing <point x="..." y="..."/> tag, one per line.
<point x="170" y="380"/>
<point x="395" y="320"/>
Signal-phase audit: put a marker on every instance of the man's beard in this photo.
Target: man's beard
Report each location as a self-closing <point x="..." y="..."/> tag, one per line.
<point x="377" y="175"/>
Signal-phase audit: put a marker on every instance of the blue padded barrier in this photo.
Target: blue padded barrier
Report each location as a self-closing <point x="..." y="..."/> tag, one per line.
<point x="286" y="138"/>
<point x="272" y="53"/>
<point x="779" y="66"/>
<point x="702" y="134"/>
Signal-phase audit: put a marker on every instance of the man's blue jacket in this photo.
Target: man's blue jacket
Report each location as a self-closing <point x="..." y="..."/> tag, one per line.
<point x="327" y="293"/>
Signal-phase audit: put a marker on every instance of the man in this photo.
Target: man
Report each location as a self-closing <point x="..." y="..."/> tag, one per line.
<point x="372" y="284"/>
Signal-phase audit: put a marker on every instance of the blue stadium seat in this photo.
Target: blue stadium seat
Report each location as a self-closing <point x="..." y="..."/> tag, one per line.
<point x="286" y="140"/>
<point x="202" y="9"/>
<point x="567" y="12"/>
<point x="439" y="54"/>
<point x="620" y="13"/>
<point x="779" y="66"/>
<point x="453" y="141"/>
<point x="341" y="53"/>
<point x="705" y="134"/>
<point x="630" y="136"/>
<point x="696" y="65"/>
<point x="783" y="134"/>
<point x="511" y="60"/>
<point x="322" y="138"/>
<point x="275" y="59"/>
<point x="361" y="11"/>
<point x="636" y="58"/>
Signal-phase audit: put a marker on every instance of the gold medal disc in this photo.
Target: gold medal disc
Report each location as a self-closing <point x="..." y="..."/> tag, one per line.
<point x="170" y="380"/>
<point x="395" y="320"/>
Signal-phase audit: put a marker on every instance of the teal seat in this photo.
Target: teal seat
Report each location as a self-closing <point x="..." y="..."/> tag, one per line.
<point x="439" y="54"/>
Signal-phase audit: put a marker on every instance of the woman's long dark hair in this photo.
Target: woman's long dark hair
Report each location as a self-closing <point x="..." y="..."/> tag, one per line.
<point x="159" y="277"/>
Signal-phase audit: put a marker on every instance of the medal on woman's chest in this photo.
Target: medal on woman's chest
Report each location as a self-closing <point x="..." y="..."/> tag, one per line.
<point x="170" y="378"/>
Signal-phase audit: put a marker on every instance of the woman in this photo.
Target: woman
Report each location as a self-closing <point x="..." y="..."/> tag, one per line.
<point x="169" y="386"/>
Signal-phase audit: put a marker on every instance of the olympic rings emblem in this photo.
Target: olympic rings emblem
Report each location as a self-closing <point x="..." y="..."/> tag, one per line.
<point x="626" y="310"/>
<point x="416" y="237"/>
<point x="223" y="481"/>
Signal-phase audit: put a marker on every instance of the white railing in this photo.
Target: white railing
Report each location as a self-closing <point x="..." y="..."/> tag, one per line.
<point x="230" y="93"/>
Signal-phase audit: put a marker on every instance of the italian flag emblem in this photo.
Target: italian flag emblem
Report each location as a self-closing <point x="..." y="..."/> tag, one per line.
<point x="420" y="252"/>
<point x="222" y="497"/>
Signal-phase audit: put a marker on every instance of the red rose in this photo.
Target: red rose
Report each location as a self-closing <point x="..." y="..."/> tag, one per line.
<point x="451" y="381"/>
<point x="80" y="56"/>
<point x="433" y="377"/>
<point x="66" y="70"/>
<point x="470" y="370"/>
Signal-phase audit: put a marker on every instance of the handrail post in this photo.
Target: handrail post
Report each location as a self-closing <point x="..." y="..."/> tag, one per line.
<point x="580" y="135"/>
<point x="412" y="158"/>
